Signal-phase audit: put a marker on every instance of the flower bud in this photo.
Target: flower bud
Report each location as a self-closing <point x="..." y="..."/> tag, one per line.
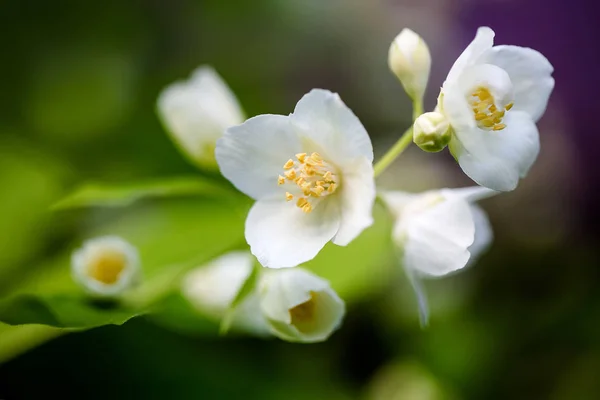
<point x="197" y="112"/>
<point x="106" y="266"/>
<point x="299" y="306"/>
<point x="432" y="132"/>
<point x="410" y="61"/>
<point x="211" y="288"/>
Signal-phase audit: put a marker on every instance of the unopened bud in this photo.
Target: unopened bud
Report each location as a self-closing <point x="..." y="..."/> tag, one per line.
<point x="410" y="61"/>
<point x="432" y="132"/>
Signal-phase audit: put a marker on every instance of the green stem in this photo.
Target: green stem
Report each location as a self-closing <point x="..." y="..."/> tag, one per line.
<point x="402" y="143"/>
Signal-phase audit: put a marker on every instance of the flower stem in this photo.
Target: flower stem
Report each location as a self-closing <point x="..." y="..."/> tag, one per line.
<point x="402" y="143"/>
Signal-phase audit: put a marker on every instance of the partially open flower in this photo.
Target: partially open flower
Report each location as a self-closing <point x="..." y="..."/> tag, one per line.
<point x="311" y="173"/>
<point x="410" y="61"/>
<point x="196" y="113"/>
<point x="492" y="98"/>
<point x="438" y="232"/>
<point x="106" y="266"/>
<point x="211" y="289"/>
<point x="299" y="306"/>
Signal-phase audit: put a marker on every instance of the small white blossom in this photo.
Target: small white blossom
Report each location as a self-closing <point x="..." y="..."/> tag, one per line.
<point x="196" y="113"/>
<point x="310" y="173"/>
<point x="300" y="306"/>
<point x="410" y="60"/>
<point x="106" y="266"/>
<point x="211" y="289"/>
<point x="438" y="232"/>
<point x="492" y="98"/>
<point x="431" y="132"/>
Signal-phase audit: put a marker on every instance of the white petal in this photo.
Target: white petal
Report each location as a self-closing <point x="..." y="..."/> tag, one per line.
<point x="484" y="40"/>
<point x="470" y="194"/>
<point x="397" y="201"/>
<point x="282" y="290"/>
<point x="281" y="235"/>
<point x="530" y="73"/>
<point x="435" y="241"/>
<point x="483" y="233"/>
<point x="326" y="121"/>
<point x="497" y="159"/>
<point x="212" y="287"/>
<point x="357" y="198"/>
<point x="252" y="155"/>
<point x="197" y="112"/>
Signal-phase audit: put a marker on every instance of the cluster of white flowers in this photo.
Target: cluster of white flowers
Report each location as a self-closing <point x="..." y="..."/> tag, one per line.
<point x="312" y="176"/>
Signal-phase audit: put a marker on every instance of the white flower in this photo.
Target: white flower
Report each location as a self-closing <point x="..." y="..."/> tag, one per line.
<point x="212" y="288"/>
<point x="106" y="266"/>
<point x="438" y="232"/>
<point x="299" y="306"/>
<point x="410" y="60"/>
<point x="311" y="173"/>
<point x="431" y="132"/>
<point x="197" y="112"/>
<point x="492" y="98"/>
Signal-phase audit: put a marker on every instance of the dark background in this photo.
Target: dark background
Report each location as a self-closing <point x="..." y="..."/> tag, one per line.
<point x="79" y="82"/>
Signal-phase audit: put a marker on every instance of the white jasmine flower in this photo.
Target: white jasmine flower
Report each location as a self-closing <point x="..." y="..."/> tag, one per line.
<point x="492" y="97"/>
<point x="410" y="60"/>
<point x="311" y="173"/>
<point x="431" y="132"/>
<point x="196" y="112"/>
<point x="299" y="306"/>
<point x="212" y="288"/>
<point x="106" y="266"/>
<point x="438" y="232"/>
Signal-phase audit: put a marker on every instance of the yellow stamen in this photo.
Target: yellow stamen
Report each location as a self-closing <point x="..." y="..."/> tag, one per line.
<point x="307" y="208"/>
<point x="291" y="174"/>
<point x="289" y="196"/>
<point x="280" y="180"/>
<point x="509" y="106"/>
<point x="301" y="202"/>
<point x="289" y="164"/>
<point x="488" y="122"/>
<point x="301" y="157"/>
<point x="499" y="127"/>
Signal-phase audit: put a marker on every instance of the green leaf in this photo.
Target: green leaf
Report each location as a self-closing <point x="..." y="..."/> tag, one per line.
<point x="15" y="340"/>
<point x="63" y="311"/>
<point x="98" y="194"/>
<point x="172" y="236"/>
<point x="246" y="289"/>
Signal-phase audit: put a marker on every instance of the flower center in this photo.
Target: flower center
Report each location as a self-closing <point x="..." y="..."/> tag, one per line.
<point x="311" y="179"/>
<point x="487" y="115"/>
<point x="303" y="315"/>
<point x="107" y="267"/>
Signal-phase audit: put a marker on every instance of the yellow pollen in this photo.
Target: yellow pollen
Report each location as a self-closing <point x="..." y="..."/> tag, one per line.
<point x="289" y="164"/>
<point x="107" y="267"/>
<point x="486" y="113"/>
<point x="312" y="177"/>
<point x="301" y="157"/>
<point x="291" y="174"/>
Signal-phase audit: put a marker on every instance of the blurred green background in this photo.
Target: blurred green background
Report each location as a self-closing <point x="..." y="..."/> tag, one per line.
<point x="79" y="85"/>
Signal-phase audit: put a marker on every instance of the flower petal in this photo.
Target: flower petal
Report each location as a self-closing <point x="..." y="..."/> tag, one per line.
<point x="325" y="120"/>
<point x="470" y="194"/>
<point x="436" y="240"/>
<point x="281" y="235"/>
<point x="484" y="40"/>
<point x="483" y="233"/>
<point x="397" y="201"/>
<point x="196" y="112"/>
<point x="357" y="198"/>
<point x="497" y="159"/>
<point x="530" y="73"/>
<point x="252" y="155"/>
